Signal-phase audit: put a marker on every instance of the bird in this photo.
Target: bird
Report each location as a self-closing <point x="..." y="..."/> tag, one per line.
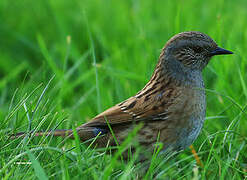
<point x="171" y="107"/>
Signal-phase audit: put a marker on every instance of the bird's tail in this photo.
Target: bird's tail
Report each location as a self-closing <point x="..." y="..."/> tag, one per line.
<point x="58" y="132"/>
<point x="85" y="134"/>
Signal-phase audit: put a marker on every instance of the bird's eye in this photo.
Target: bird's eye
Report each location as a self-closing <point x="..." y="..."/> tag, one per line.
<point x="198" y="49"/>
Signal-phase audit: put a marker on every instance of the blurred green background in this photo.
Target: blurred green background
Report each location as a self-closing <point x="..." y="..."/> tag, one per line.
<point x="102" y="52"/>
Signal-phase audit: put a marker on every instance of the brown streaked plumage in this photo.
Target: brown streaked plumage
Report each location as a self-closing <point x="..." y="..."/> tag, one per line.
<point x="172" y="104"/>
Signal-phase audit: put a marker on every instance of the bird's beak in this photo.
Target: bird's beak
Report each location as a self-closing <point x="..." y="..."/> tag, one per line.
<point x="220" y="51"/>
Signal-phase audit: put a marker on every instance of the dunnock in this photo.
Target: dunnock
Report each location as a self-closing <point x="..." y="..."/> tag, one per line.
<point x="172" y="104"/>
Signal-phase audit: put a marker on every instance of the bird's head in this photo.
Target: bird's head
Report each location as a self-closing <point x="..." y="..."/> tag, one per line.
<point x="192" y="49"/>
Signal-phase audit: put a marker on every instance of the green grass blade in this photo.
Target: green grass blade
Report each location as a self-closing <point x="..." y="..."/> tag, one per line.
<point x="39" y="171"/>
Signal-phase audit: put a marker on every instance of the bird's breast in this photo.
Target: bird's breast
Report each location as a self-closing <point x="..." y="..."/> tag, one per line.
<point x="192" y="104"/>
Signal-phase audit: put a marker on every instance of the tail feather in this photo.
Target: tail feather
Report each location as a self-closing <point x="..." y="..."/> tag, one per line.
<point x="58" y="132"/>
<point x="84" y="133"/>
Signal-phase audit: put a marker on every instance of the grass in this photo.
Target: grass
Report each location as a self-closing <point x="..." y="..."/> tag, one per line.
<point x="63" y="62"/>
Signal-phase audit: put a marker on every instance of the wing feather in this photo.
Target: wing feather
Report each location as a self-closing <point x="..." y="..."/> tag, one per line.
<point x="148" y="105"/>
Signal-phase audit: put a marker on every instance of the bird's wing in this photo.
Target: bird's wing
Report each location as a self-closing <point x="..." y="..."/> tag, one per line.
<point x="151" y="103"/>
